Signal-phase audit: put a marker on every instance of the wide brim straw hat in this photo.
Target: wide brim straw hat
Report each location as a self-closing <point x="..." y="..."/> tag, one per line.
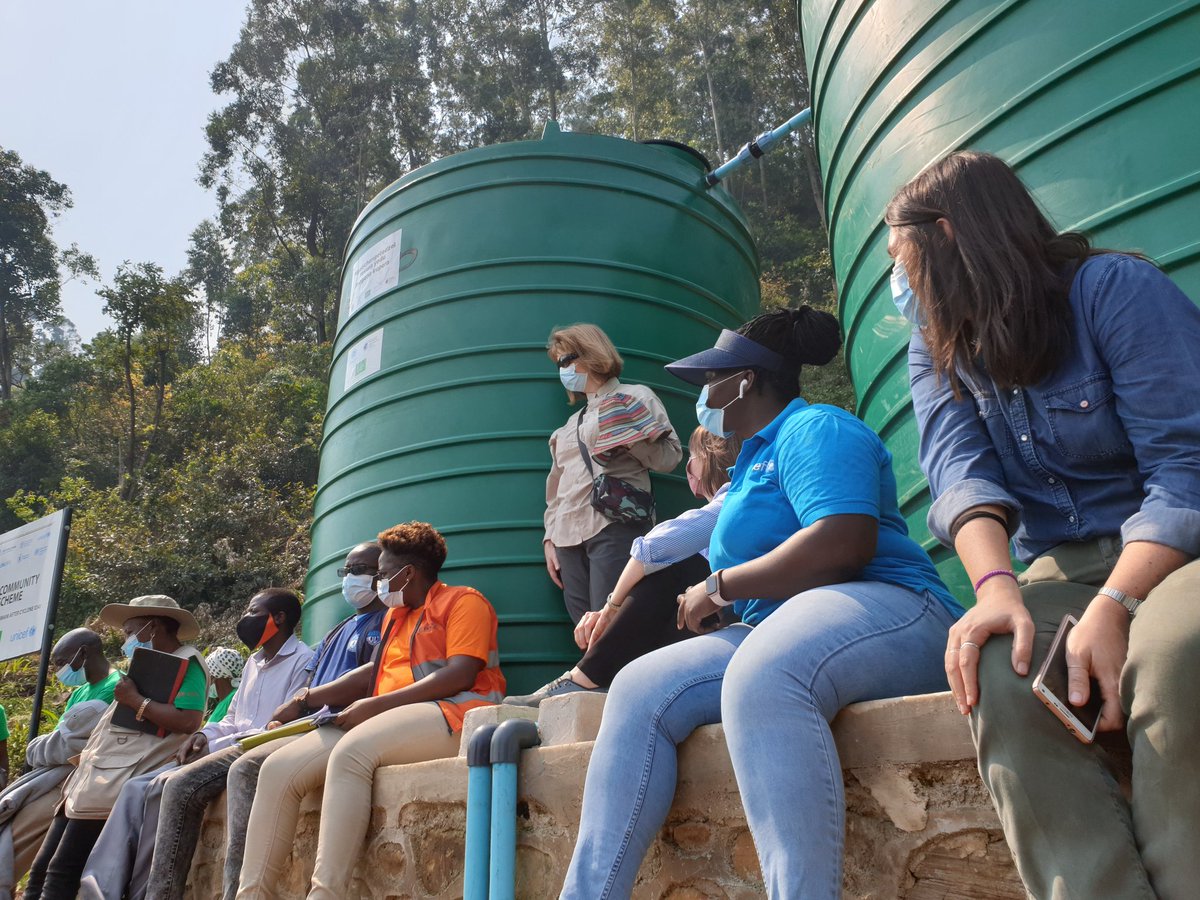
<point x="117" y="614"/>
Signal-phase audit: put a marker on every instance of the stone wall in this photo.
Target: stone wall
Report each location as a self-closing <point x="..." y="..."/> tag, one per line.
<point x="919" y="823"/>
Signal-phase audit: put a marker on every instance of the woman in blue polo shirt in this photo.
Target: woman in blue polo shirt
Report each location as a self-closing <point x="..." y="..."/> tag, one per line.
<point x="837" y="605"/>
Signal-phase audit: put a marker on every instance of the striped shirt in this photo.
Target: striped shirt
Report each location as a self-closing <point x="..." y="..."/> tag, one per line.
<point x="676" y="539"/>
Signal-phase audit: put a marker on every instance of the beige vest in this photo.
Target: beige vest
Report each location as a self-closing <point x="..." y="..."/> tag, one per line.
<point x="114" y="755"/>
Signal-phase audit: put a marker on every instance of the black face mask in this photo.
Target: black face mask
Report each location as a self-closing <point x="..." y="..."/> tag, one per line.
<point x="256" y="630"/>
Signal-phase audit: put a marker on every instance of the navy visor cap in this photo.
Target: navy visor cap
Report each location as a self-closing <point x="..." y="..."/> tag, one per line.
<point x="732" y="351"/>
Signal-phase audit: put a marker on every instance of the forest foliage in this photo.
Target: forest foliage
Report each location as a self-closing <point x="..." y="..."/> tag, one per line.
<point x="185" y="435"/>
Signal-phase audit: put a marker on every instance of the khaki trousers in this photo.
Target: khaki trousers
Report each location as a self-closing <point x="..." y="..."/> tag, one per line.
<point x="29" y="828"/>
<point x="345" y="762"/>
<point x="1072" y="832"/>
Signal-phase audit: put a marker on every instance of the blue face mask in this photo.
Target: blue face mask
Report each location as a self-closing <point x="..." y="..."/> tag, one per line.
<point x="572" y="380"/>
<point x="903" y="296"/>
<point x="713" y="420"/>
<point x="71" y="677"/>
<point x="132" y="643"/>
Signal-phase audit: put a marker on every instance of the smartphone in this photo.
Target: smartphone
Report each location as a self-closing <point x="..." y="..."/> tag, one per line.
<point x="1050" y="685"/>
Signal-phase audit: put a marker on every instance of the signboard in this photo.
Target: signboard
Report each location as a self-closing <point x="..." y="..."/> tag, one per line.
<point x="30" y="562"/>
<point x="375" y="271"/>
<point x="364" y="358"/>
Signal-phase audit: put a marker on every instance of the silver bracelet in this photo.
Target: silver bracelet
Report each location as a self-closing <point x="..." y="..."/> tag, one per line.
<point x="608" y="602"/>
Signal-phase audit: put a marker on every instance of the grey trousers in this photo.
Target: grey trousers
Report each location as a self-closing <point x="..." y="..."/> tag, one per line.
<point x="185" y="798"/>
<point x="1072" y="832"/>
<point x="242" y="784"/>
<point x="590" y="570"/>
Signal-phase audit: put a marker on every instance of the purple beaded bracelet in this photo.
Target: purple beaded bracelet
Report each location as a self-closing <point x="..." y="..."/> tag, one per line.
<point x="993" y="574"/>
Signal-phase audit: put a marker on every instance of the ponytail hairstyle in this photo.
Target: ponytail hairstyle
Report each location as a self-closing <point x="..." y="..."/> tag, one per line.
<point x="803" y="337"/>
<point x="994" y="292"/>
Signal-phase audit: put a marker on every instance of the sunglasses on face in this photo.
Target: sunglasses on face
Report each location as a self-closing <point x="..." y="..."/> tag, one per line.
<point x="357" y="569"/>
<point x="564" y="361"/>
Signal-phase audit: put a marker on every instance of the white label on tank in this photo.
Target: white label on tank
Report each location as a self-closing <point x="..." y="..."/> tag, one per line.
<point x="364" y="358"/>
<point x="376" y="271"/>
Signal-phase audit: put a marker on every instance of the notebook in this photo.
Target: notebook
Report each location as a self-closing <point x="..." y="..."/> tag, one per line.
<point x="158" y="676"/>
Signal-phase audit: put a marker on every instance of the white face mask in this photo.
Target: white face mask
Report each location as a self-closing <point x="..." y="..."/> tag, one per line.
<point x="390" y="598"/>
<point x="572" y="380"/>
<point x="358" y="591"/>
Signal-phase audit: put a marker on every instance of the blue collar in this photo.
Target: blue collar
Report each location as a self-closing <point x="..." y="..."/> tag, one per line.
<point x="770" y="431"/>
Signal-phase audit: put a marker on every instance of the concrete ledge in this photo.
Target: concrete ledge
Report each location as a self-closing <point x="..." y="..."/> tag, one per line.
<point x="902" y="730"/>
<point x="490" y="715"/>
<point x="919" y="823"/>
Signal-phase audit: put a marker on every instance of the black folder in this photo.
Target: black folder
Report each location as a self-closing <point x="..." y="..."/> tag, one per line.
<point x="158" y="676"/>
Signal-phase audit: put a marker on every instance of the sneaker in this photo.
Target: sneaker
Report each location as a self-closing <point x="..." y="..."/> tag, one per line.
<point x="556" y="688"/>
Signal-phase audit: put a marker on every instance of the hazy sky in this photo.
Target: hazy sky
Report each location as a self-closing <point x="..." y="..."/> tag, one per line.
<point x="111" y="97"/>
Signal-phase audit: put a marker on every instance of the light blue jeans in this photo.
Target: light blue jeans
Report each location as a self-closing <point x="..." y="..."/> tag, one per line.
<point x="776" y="687"/>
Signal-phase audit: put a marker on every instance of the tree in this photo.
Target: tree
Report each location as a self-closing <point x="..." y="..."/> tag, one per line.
<point x="29" y="259"/>
<point x="156" y="315"/>
<point x="330" y="102"/>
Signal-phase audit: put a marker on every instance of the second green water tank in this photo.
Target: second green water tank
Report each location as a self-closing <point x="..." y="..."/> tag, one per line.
<point x="1094" y="102"/>
<point x="441" y="395"/>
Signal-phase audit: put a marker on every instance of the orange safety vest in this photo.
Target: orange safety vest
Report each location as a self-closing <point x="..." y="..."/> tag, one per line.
<point x="426" y="653"/>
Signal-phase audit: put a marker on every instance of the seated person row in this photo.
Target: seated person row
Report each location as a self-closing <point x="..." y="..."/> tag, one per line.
<point x="158" y="815"/>
<point x="836" y="605"/>
<point x="273" y="675"/>
<point x="437" y="659"/>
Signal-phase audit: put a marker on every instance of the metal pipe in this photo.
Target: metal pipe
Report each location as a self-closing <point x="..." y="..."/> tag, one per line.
<point x="758" y="147"/>
<point x="479" y="814"/>
<point x="511" y="737"/>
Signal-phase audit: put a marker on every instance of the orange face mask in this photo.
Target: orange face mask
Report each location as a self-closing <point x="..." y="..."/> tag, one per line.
<point x="254" y="631"/>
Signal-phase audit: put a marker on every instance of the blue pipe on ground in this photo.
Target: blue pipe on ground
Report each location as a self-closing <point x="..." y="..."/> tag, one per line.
<point x="511" y="737"/>
<point x="479" y="814"/>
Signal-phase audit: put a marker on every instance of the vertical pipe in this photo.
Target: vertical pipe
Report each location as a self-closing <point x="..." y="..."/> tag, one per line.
<point x="503" y="860"/>
<point x="511" y="737"/>
<point x="479" y="814"/>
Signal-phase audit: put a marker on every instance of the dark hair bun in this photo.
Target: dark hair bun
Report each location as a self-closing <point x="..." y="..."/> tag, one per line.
<point x="816" y="335"/>
<point x="804" y="336"/>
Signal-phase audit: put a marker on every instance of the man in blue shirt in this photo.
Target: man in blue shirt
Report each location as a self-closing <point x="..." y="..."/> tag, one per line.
<point x="349" y="644"/>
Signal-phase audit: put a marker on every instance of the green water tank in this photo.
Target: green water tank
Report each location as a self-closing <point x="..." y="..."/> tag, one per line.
<point x="1094" y="102"/>
<point x="441" y="395"/>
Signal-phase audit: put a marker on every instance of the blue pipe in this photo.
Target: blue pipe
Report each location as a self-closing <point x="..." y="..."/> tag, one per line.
<point x="758" y="147"/>
<point x="511" y="737"/>
<point x="479" y="814"/>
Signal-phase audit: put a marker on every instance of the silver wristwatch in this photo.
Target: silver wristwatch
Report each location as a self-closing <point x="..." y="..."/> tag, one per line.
<point x="712" y="587"/>
<point x="1130" y="603"/>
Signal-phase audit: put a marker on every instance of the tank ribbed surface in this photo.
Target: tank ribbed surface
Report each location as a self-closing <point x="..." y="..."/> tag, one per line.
<point x="1094" y="102"/>
<point x="441" y="395"/>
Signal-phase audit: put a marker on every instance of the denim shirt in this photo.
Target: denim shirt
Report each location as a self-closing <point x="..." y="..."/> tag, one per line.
<point x="1108" y="444"/>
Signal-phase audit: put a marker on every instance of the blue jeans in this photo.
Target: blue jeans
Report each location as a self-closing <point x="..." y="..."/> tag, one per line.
<point x="776" y="687"/>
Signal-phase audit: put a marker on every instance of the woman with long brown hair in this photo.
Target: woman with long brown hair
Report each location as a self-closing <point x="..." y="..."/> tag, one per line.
<point x="1054" y="386"/>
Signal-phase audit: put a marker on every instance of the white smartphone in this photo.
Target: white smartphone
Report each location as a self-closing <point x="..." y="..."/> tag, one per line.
<point x="1050" y="685"/>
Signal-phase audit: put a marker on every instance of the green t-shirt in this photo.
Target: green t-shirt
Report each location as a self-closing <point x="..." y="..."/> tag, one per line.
<point x="221" y="708"/>
<point x="3" y="724"/>
<point x="101" y="691"/>
<point x="193" y="693"/>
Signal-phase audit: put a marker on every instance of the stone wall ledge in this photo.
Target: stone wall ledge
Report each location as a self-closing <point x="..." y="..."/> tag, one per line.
<point x="919" y="823"/>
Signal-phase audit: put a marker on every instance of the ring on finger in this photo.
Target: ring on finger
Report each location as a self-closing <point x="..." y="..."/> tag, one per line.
<point x="950" y="650"/>
<point x="969" y="644"/>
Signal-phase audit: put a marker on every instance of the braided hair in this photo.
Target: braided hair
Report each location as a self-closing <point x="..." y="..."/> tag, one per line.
<point x="803" y="336"/>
